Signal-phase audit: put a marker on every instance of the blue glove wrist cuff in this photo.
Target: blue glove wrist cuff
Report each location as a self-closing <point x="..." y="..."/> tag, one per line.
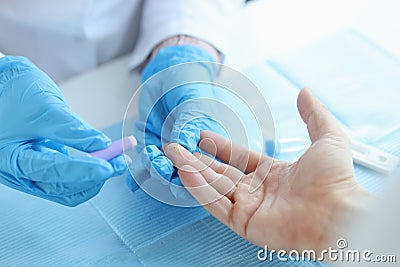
<point x="174" y="55"/>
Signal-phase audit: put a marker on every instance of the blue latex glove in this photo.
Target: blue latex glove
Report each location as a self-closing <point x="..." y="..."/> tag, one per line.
<point x="36" y="127"/>
<point x="186" y="121"/>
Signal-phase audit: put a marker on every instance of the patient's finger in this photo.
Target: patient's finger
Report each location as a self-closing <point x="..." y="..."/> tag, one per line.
<point x="182" y="157"/>
<point x="234" y="174"/>
<point x="218" y="205"/>
<point x="229" y="152"/>
<point x="319" y="120"/>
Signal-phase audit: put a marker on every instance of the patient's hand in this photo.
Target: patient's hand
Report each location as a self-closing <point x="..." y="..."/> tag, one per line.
<point x="301" y="205"/>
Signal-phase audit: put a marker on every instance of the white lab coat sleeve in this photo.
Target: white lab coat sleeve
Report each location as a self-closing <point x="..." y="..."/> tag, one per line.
<point x="210" y="20"/>
<point x="1" y="55"/>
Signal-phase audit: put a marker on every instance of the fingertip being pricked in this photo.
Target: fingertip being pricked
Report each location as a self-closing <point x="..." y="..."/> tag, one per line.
<point x="169" y="148"/>
<point x="179" y="155"/>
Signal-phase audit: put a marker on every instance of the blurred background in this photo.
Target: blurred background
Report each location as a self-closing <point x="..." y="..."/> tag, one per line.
<point x="275" y="27"/>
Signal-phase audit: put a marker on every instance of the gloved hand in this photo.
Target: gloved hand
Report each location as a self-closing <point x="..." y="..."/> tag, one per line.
<point x="36" y="126"/>
<point x="176" y="115"/>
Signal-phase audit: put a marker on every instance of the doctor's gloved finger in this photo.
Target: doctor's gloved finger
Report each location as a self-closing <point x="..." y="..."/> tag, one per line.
<point x="131" y="183"/>
<point x="56" y="188"/>
<point x="182" y="157"/>
<point x="50" y="166"/>
<point x="186" y="134"/>
<point x="217" y="204"/>
<point x="81" y="197"/>
<point x="230" y="153"/>
<point x="162" y="166"/>
<point x="49" y="144"/>
<point x="65" y="127"/>
<point x="320" y="122"/>
<point x="77" y="198"/>
<point x="157" y="163"/>
<point x="119" y="165"/>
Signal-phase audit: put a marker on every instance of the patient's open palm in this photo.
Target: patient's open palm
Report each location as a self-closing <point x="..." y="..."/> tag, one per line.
<point x="270" y="202"/>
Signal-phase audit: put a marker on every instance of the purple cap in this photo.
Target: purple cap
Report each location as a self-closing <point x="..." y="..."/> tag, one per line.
<point x="116" y="148"/>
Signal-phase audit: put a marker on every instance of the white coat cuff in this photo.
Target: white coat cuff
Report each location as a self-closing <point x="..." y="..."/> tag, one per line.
<point x="208" y="20"/>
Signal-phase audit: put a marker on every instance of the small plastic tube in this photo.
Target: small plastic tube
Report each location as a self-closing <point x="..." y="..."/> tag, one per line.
<point x="116" y="148"/>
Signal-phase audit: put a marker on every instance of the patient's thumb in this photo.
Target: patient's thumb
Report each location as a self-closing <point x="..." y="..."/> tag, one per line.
<point x="320" y="122"/>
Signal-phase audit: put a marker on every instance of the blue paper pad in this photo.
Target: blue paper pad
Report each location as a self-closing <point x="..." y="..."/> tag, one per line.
<point x="36" y="232"/>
